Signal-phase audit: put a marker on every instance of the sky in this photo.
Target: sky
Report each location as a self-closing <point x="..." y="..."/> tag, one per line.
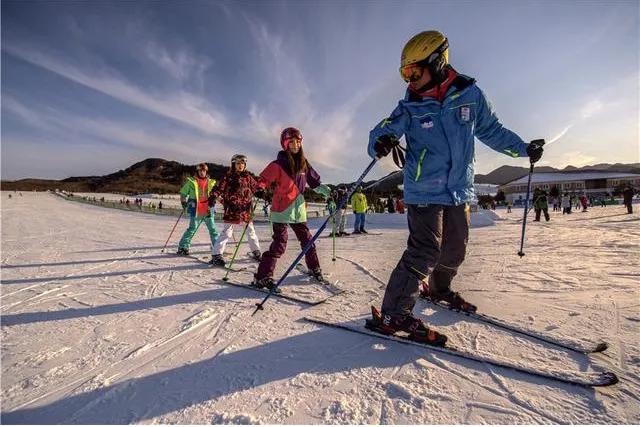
<point x="89" y="88"/>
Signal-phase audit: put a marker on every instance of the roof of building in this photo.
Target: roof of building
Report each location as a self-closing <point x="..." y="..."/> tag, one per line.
<point x="538" y="178"/>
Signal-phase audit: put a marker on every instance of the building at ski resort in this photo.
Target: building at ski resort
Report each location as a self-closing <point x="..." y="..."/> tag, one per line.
<point x="593" y="183"/>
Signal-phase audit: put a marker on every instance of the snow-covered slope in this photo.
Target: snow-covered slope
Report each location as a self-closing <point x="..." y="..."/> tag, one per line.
<point x="100" y="327"/>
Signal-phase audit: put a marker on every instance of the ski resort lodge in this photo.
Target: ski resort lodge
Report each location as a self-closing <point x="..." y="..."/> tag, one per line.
<point x="594" y="183"/>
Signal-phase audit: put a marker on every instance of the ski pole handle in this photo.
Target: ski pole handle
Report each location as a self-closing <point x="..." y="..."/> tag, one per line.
<point x="538" y="143"/>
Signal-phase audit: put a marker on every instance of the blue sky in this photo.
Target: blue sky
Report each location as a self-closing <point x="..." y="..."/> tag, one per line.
<point x="89" y="88"/>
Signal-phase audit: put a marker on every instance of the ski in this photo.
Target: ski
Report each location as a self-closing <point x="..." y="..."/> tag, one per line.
<point x="231" y="269"/>
<point x="278" y="293"/>
<point x="206" y="261"/>
<point x="584" y="379"/>
<point x="329" y="236"/>
<point x="566" y="344"/>
<point x="330" y="286"/>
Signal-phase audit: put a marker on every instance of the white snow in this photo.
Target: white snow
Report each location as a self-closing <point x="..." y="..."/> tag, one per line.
<point x="99" y="327"/>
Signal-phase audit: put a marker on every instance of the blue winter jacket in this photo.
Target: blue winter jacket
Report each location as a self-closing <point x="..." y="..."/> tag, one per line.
<point x="440" y="142"/>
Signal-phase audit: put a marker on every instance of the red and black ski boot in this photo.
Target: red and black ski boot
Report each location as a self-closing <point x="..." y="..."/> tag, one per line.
<point x="453" y="299"/>
<point x="417" y="330"/>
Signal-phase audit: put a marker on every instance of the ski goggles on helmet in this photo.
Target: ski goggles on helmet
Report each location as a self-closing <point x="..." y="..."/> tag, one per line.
<point x="239" y="158"/>
<point x="292" y="134"/>
<point x="202" y="167"/>
<point x="413" y="72"/>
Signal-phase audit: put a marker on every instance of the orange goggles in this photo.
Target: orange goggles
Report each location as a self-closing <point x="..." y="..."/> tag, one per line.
<point x="412" y="72"/>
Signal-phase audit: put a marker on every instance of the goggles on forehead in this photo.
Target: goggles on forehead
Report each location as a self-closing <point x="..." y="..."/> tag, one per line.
<point x="293" y="135"/>
<point x="239" y="158"/>
<point x="413" y="72"/>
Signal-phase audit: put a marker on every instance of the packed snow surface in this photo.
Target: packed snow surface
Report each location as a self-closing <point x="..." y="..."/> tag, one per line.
<point x="100" y="327"/>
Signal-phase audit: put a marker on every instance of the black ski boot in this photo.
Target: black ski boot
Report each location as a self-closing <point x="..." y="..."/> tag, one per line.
<point x="363" y="231"/>
<point x="453" y="299"/>
<point x="417" y="330"/>
<point x="265" y="282"/>
<point x="217" y="260"/>
<point x="317" y="274"/>
<point x="183" y="251"/>
<point x="256" y="255"/>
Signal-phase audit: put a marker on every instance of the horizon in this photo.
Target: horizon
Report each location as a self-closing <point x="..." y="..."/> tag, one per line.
<point x="330" y="183"/>
<point x="90" y="87"/>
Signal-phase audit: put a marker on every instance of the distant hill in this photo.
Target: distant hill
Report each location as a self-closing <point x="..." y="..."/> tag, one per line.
<point x="505" y="174"/>
<point x="148" y="176"/>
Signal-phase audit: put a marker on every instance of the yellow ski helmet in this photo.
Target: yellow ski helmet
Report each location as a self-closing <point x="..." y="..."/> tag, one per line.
<point x="428" y="49"/>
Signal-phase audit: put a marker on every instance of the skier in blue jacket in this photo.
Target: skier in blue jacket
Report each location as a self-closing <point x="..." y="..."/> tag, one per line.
<point x="440" y="115"/>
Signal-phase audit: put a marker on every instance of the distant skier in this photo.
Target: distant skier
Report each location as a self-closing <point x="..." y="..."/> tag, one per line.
<point x="566" y="204"/>
<point x="194" y="197"/>
<point x="236" y="190"/>
<point x="540" y="204"/>
<point x="584" y="203"/>
<point x="289" y="173"/>
<point x="359" y="205"/>
<point x="627" y="196"/>
<point x="440" y="115"/>
<point x="391" y="206"/>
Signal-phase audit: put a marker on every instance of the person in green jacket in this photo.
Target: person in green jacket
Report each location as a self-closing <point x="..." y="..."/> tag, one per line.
<point x="359" y="205"/>
<point x="540" y="204"/>
<point x="194" y="197"/>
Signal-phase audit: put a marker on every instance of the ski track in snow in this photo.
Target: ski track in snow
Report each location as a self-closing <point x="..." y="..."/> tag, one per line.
<point x="113" y="343"/>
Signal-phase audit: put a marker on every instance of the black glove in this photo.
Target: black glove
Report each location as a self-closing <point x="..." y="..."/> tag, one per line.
<point x="534" y="150"/>
<point x="384" y="144"/>
<point x="260" y="194"/>
<point x="211" y="201"/>
<point x="184" y="204"/>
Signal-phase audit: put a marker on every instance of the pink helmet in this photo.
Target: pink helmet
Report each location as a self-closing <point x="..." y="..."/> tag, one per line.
<point x="288" y="134"/>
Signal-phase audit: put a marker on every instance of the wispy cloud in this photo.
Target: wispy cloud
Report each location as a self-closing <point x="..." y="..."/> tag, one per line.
<point x="562" y="133"/>
<point x="181" y="106"/>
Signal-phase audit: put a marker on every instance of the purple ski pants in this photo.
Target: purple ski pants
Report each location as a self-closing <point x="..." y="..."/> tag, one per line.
<point x="279" y="245"/>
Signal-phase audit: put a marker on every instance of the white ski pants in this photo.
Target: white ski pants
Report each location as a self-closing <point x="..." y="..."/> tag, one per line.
<point x="227" y="232"/>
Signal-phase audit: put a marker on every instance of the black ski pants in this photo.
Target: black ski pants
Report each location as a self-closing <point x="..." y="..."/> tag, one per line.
<point x="437" y="244"/>
<point x="546" y="214"/>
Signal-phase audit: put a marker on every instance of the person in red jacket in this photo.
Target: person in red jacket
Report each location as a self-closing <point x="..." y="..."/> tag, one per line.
<point x="290" y="173"/>
<point x="235" y="191"/>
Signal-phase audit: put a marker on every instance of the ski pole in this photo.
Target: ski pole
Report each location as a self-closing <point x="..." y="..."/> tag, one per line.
<point x="260" y="305"/>
<point x="333" y="223"/>
<point x="540" y="142"/>
<point x="172" y="230"/>
<point x="244" y="230"/>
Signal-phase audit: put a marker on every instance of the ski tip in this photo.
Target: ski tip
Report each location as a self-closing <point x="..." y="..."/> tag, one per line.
<point x="601" y="347"/>
<point x="608" y="378"/>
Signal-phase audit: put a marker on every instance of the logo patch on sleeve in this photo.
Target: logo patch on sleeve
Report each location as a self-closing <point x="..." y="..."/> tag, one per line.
<point x="465" y="113"/>
<point x="426" y="123"/>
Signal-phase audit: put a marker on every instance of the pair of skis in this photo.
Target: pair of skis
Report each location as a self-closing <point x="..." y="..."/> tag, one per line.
<point x="585" y="379"/>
